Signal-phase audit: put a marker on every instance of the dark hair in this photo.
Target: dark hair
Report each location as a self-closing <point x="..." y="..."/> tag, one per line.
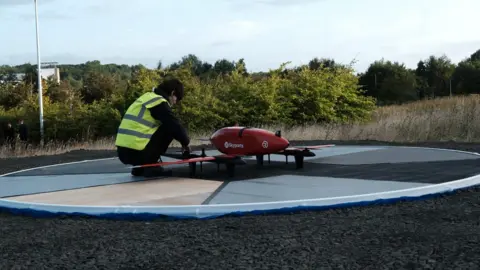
<point x="170" y="85"/>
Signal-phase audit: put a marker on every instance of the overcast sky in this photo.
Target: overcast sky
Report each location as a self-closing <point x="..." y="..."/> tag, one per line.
<point x="264" y="32"/>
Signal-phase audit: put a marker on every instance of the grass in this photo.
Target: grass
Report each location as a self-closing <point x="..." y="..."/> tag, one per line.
<point x="445" y="119"/>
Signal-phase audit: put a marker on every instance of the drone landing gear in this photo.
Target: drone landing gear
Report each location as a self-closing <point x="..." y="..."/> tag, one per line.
<point x="299" y="162"/>
<point x="193" y="168"/>
<point x="230" y="168"/>
<point x="260" y="159"/>
<point x="229" y="163"/>
<point x="299" y="158"/>
<point x="193" y="165"/>
<point x="298" y="155"/>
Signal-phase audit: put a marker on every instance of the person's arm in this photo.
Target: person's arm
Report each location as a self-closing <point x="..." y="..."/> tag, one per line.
<point x="163" y="113"/>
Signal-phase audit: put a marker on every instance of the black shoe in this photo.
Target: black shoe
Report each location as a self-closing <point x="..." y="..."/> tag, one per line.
<point x="156" y="172"/>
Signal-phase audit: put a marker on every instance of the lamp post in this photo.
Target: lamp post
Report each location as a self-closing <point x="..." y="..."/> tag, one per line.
<point x="39" y="75"/>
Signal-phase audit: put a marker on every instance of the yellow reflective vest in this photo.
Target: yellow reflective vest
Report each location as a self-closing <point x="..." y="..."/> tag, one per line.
<point x="138" y="125"/>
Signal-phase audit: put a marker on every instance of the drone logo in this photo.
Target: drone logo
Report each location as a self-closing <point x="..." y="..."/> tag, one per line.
<point x="265" y="144"/>
<point x="232" y="145"/>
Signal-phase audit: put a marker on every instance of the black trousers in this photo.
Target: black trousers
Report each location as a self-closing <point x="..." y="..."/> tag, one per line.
<point x="158" y="145"/>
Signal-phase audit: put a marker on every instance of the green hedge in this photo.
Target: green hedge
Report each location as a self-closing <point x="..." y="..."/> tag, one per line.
<point x="283" y="96"/>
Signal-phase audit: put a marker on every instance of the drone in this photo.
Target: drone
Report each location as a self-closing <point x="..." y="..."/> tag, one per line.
<point x="235" y="143"/>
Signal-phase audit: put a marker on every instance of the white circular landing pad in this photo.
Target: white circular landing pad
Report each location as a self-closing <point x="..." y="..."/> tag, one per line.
<point x="336" y="176"/>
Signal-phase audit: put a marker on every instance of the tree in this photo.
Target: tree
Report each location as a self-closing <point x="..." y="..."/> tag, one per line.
<point x="98" y="86"/>
<point x="13" y="95"/>
<point x="317" y="63"/>
<point x="435" y="74"/>
<point x="466" y="77"/>
<point x="389" y="82"/>
<point x="223" y="66"/>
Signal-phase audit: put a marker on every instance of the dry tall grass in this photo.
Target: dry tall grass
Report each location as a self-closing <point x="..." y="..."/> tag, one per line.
<point x="447" y="119"/>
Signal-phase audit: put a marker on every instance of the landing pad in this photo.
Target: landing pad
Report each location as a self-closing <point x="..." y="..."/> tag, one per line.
<point x="336" y="175"/>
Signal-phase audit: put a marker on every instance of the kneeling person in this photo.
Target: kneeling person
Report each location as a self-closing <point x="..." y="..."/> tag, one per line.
<point x="149" y="126"/>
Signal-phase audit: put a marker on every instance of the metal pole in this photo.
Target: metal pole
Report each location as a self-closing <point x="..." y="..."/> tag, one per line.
<point x="39" y="76"/>
<point x="450" y="81"/>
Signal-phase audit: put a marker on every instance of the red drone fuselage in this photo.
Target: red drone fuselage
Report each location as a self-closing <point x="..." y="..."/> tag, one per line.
<point x="247" y="141"/>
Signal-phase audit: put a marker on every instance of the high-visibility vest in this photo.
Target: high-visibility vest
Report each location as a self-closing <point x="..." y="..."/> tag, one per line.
<point x="138" y="125"/>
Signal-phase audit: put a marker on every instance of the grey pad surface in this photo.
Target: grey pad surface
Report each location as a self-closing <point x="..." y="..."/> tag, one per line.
<point x="291" y="187"/>
<point x="396" y="155"/>
<point x="24" y="185"/>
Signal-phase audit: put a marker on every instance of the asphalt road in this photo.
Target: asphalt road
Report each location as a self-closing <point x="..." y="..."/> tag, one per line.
<point x="440" y="233"/>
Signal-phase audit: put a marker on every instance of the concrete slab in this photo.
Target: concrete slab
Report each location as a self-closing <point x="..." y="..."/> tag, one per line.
<point x="292" y="187"/>
<point x="173" y="191"/>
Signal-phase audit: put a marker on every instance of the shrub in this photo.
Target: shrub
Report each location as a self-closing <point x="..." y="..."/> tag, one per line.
<point x="281" y="97"/>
